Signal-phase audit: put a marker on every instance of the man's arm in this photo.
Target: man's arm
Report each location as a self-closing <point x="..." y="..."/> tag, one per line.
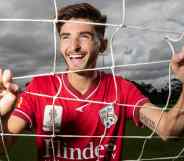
<point x="169" y="123"/>
<point x="165" y="124"/>
<point x="11" y="124"/>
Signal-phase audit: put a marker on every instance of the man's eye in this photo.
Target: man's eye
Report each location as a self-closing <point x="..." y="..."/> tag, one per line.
<point x="64" y="37"/>
<point x="85" y="36"/>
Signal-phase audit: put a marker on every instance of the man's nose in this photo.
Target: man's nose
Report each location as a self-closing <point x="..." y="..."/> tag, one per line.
<point x="75" y="45"/>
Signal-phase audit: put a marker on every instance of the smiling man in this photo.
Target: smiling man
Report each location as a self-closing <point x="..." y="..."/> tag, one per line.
<point x="84" y="103"/>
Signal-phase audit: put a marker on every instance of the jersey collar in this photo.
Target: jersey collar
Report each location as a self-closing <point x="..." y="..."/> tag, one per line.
<point x="76" y="94"/>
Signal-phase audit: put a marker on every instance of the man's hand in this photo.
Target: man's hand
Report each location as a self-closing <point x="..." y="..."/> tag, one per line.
<point x="8" y="91"/>
<point x="177" y="64"/>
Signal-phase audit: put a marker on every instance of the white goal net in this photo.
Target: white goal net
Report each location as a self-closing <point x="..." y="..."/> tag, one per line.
<point x="142" y="36"/>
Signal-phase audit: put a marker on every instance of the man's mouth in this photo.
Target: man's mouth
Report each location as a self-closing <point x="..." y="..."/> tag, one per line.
<point x="76" y="59"/>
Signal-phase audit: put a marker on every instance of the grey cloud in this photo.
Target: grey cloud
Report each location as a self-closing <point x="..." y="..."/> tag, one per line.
<point x="155" y="14"/>
<point x="26" y="47"/>
<point x="144" y="72"/>
<point x="40" y="9"/>
<point x="161" y="52"/>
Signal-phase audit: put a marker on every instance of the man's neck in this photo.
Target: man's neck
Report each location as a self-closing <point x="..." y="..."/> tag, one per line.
<point x="82" y="81"/>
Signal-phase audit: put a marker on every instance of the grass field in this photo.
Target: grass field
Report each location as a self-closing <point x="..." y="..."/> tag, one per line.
<point x="24" y="149"/>
<point x="155" y="148"/>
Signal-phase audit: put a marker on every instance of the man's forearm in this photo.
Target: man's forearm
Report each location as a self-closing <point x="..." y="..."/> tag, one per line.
<point x="175" y="117"/>
<point x="165" y="124"/>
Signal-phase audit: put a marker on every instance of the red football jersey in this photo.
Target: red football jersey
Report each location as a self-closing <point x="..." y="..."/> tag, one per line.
<point x="80" y="123"/>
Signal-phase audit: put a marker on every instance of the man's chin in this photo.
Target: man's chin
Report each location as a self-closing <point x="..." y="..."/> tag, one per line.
<point x="80" y="70"/>
<point x="76" y="69"/>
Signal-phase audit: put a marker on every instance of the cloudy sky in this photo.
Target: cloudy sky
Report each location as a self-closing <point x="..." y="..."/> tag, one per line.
<point x="28" y="47"/>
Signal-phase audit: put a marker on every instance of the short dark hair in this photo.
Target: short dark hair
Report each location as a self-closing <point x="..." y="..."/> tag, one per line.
<point x="82" y="10"/>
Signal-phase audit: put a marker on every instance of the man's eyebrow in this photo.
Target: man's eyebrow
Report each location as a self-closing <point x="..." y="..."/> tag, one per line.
<point x="87" y="32"/>
<point x="81" y="33"/>
<point x="64" y="34"/>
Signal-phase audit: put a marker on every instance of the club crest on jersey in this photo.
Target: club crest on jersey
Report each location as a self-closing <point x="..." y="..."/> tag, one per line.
<point x="52" y="118"/>
<point x="108" y="116"/>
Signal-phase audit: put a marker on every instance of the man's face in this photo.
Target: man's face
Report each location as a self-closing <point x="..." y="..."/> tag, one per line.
<point x="79" y="45"/>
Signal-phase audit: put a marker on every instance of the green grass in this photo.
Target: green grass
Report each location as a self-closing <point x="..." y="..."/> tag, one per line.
<point x="155" y="148"/>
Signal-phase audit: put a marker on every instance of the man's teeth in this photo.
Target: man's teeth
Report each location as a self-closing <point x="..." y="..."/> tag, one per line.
<point x="76" y="56"/>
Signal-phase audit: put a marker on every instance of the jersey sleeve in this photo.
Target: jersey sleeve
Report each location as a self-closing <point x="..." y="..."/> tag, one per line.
<point x="133" y="99"/>
<point x="25" y="105"/>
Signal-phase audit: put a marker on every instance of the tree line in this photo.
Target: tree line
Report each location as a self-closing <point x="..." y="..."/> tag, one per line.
<point x="160" y="96"/>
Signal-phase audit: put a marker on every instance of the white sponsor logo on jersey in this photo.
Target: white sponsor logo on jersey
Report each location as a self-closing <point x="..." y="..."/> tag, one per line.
<point x="108" y="116"/>
<point x="91" y="151"/>
<point x="52" y="118"/>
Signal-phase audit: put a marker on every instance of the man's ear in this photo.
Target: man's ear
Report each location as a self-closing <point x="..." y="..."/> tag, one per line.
<point x="103" y="45"/>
